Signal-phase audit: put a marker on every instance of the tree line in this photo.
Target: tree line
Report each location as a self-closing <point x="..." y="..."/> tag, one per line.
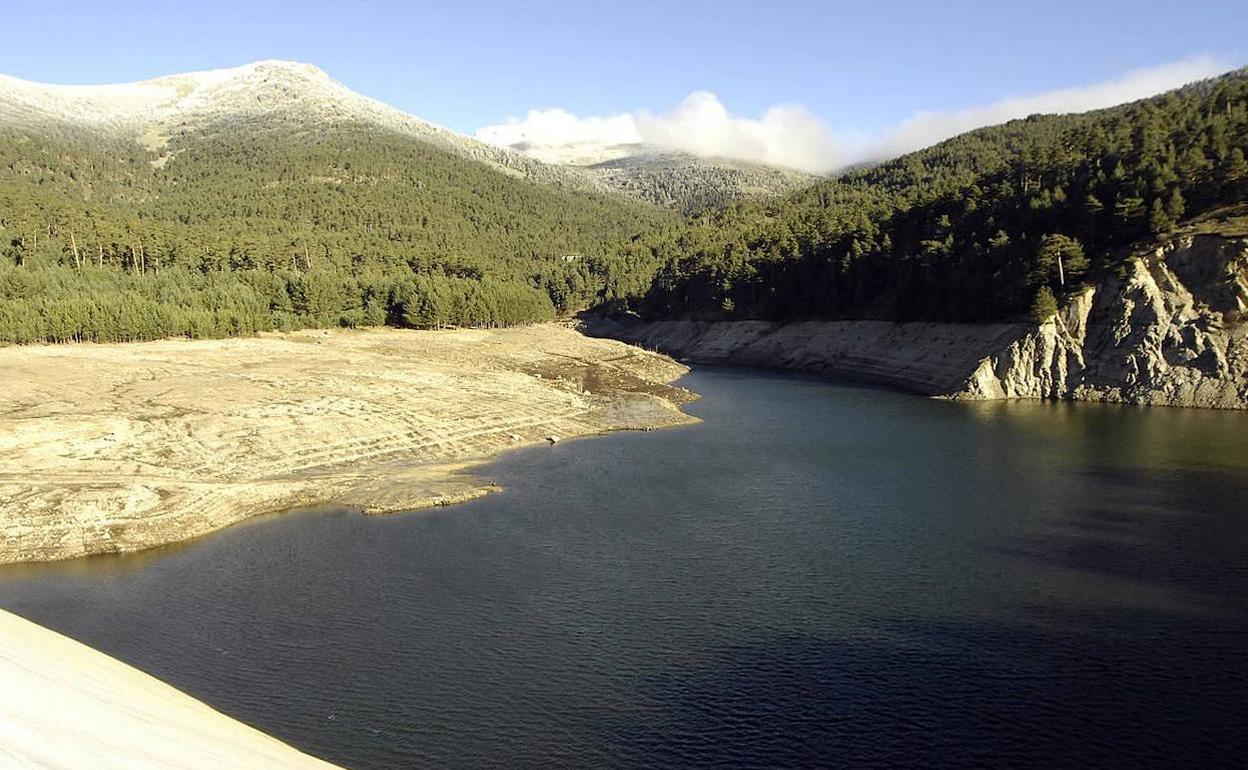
<point x="99" y="304"/>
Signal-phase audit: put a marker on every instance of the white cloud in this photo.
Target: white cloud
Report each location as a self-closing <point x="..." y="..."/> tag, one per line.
<point x="789" y="135"/>
<point x="786" y="135"/>
<point x="557" y="127"/>
<point x="926" y="128"/>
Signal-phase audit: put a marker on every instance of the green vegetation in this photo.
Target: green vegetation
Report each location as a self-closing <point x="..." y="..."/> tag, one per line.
<point x="101" y="304"/>
<point x="694" y="185"/>
<point x="969" y="230"/>
<point x="242" y="228"/>
<point x="258" y="227"/>
<point x="1044" y="306"/>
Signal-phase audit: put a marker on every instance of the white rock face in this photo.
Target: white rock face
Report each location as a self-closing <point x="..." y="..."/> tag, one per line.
<point x="1173" y="331"/>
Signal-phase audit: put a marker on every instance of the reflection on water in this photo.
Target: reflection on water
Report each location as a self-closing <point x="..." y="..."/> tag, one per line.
<point x="1130" y="436"/>
<point x="817" y="575"/>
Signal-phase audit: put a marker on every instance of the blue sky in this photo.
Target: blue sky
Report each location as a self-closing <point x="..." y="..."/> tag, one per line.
<point x="856" y="67"/>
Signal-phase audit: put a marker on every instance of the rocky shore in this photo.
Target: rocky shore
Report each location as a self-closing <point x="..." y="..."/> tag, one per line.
<point x="1171" y="329"/>
<point x="116" y="448"/>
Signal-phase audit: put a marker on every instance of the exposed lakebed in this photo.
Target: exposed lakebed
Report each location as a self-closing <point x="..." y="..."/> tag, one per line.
<point x="816" y="575"/>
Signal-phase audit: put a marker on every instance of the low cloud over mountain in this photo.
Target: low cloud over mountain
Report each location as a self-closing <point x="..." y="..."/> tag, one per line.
<point x="791" y="135"/>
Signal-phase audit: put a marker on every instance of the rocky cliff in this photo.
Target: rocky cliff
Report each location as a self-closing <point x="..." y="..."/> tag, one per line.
<point x="1169" y="329"/>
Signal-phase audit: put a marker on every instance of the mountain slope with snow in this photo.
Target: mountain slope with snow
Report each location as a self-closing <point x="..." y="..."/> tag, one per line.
<point x="154" y="113"/>
<point x="670" y="178"/>
<point x="280" y="93"/>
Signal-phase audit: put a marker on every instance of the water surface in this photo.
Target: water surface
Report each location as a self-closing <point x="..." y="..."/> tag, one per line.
<point x="817" y="575"/>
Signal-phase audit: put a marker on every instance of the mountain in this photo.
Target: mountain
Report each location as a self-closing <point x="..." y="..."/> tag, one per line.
<point x="693" y="184"/>
<point x="277" y="93"/>
<point x="679" y="180"/>
<point x="1101" y="257"/>
<point x="270" y="196"/>
<point x="273" y="93"/>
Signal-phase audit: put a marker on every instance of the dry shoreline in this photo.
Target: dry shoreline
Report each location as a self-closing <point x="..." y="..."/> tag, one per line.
<point x="119" y="448"/>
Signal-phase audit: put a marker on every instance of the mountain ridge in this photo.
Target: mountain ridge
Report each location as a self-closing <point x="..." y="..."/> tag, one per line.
<point x="153" y="112"/>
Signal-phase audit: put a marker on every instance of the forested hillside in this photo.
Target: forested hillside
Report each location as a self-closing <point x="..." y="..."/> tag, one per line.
<point x="982" y="227"/>
<point x="247" y="226"/>
<point x="230" y="226"/>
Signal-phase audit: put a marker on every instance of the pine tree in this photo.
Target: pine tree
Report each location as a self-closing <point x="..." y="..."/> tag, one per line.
<point x="1062" y="256"/>
<point x="1159" y="222"/>
<point x="1044" y="306"/>
<point x="1128" y="209"/>
<point x="1235" y="169"/>
<point x="1175" y="205"/>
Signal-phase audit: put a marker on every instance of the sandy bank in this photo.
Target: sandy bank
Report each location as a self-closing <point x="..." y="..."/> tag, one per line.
<point x="64" y="705"/>
<point x="112" y="448"/>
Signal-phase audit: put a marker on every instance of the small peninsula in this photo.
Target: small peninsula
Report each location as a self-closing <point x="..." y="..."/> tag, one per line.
<point x="119" y="448"/>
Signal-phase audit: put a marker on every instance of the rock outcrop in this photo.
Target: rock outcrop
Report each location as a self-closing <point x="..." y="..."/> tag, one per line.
<point x="1170" y="329"/>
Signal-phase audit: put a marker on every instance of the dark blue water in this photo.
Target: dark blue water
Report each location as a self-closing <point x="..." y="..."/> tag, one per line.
<point x="816" y="576"/>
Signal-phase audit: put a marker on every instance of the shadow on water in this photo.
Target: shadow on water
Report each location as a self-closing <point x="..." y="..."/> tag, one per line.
<point x="939" y="695"/>
<point x="1181" y="530"/>
<point x="817" y="575"/>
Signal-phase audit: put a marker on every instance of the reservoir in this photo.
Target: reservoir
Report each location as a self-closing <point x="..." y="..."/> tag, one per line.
<point x="817" y="575"/>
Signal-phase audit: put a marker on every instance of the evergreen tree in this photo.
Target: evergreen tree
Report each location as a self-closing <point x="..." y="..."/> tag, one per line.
<point x="1159" y="221"/>
<point x="1059" y="256"/>
<point x="1044" y="305"/>
<point x="1175" y="205"/>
